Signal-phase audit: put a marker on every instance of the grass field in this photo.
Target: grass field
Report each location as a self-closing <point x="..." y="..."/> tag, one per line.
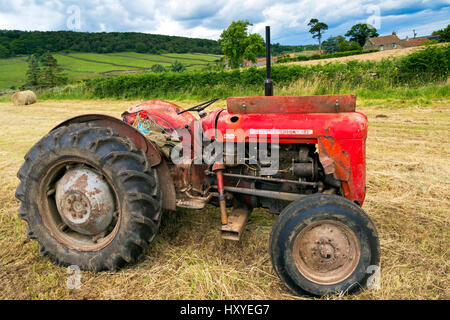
<point x="79" y="66"/>
<point x="408" y="197"/>
<point x="373" y="56"/>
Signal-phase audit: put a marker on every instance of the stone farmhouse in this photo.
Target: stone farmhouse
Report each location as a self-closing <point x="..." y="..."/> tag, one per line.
<point x="392" y="42"/>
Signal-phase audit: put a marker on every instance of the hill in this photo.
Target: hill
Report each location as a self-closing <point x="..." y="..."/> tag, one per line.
<point x="80" y="66"/>
<point x="16" y="42"/>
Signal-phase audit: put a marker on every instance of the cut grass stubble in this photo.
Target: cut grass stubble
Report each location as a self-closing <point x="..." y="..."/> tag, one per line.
<point x="408" y="197"/>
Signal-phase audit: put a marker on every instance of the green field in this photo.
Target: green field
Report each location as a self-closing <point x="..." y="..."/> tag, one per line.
<point x="79" y="66"/>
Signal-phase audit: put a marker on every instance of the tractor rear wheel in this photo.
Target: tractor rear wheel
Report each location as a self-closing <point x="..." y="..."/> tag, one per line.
<point x="324" y="244"/>
<point x="89" y="197"/>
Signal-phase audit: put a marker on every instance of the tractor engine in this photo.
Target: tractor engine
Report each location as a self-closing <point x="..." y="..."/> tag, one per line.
<point x="298" y="172"/>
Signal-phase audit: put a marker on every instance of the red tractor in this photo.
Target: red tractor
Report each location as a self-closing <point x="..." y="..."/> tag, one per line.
<point x="93" y="189"/>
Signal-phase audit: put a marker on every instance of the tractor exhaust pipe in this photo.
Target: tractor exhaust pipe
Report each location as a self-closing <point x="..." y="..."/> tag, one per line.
<point x="268" y="84"/>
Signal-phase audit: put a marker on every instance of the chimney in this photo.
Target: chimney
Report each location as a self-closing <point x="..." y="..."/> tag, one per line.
<point x="394" y="33"/>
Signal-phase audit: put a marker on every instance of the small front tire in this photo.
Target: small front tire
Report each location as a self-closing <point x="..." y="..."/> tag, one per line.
<point x="324" y="244"/>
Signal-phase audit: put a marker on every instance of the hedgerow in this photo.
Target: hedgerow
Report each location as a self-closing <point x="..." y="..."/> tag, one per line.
<point x="422" y="67"/>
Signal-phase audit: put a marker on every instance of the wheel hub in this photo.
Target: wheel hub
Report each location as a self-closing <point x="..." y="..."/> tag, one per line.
<point x="76" y="207"/>
<point x="84" y="201"/>
<point x="326" y="252"/>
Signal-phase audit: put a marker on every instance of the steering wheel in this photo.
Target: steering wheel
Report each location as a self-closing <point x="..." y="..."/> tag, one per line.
<point x="200" y="107"/>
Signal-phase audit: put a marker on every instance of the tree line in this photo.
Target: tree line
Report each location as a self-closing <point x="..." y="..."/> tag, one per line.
<point x="14" y="42"/>
<point x="358" y="35"/>
<point x="238" y="44"/>
<point x="278" y="49"/>
<point x="44" y="72"/>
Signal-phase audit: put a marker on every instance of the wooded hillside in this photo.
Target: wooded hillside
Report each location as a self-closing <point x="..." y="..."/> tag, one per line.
<point x="15" y="42"/>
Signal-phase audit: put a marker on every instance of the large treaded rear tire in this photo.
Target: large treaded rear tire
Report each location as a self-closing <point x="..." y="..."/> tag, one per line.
<point x="302" y="215"/>
<point x="129" y="174"/>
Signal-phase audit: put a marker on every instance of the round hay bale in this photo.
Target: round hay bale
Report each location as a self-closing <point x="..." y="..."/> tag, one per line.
<point x="24" y="98"/>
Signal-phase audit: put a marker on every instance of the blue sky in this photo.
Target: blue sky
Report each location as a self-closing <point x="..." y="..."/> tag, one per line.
<point x="207" y="19"/>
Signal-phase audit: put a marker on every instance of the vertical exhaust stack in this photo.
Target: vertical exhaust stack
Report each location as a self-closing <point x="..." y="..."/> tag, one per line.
<point x="268" y="84"/>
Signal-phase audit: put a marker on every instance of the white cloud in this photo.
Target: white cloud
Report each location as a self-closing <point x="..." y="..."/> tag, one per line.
<point x="207" y="19"/>
<point x="31" y="15"/>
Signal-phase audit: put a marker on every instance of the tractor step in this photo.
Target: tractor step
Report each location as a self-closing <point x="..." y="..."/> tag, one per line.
<point x="236" y="223"/>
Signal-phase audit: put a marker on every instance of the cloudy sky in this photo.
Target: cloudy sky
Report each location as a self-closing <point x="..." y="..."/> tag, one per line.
<point x="207" y="18"/>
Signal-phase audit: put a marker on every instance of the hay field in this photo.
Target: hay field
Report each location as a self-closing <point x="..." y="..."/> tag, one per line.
<point x="408" y="197"/>
<point x="373" y="56"/>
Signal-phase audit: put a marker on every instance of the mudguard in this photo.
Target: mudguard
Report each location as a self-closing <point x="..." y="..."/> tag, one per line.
<point x="163" y="113"/>
<point x="124" y="130"/>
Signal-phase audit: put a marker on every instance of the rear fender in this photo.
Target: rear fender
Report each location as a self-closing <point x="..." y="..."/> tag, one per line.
<point x="164" y="113"/>
<point x="123" y="129"/>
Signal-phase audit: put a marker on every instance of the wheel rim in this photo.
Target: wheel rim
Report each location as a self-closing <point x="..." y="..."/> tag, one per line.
<point x="326" y="252"/>
<point x="84" y="201"/>
<point x="79" y="205"/>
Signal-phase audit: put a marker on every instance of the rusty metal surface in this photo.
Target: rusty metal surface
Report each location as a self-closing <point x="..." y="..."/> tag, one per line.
<point x="326" y="252"/>
<point x="346" y="160"/>
<point x="266" y="193"/>
<point x="167" y="186"/>
<point x="84" y="201"/>
<point x="181" y="174"/>
<point x="334" y="159"/>
<point x="53" y="220"/>
<point x="218" y="168"/>
<point x="236" y="224"/>
<point x="293" y="104"/>
<point x="123" y="129"/>
<point x="235" y="175"/>
<point x="165" y="114"/>
<point x="198" y="175"/>
<point x="188" y="181"/>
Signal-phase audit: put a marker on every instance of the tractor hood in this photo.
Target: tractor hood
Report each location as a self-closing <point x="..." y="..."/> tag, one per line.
<point x="291" y="119"/>
<point x="289" y="128"/>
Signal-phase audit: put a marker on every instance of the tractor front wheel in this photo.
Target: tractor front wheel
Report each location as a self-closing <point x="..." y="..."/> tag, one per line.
<point x="324" y="244"/>
<point x="89" y="197"/>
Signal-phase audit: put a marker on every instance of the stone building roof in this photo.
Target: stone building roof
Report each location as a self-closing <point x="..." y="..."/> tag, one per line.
<point x="378" y="41"/>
